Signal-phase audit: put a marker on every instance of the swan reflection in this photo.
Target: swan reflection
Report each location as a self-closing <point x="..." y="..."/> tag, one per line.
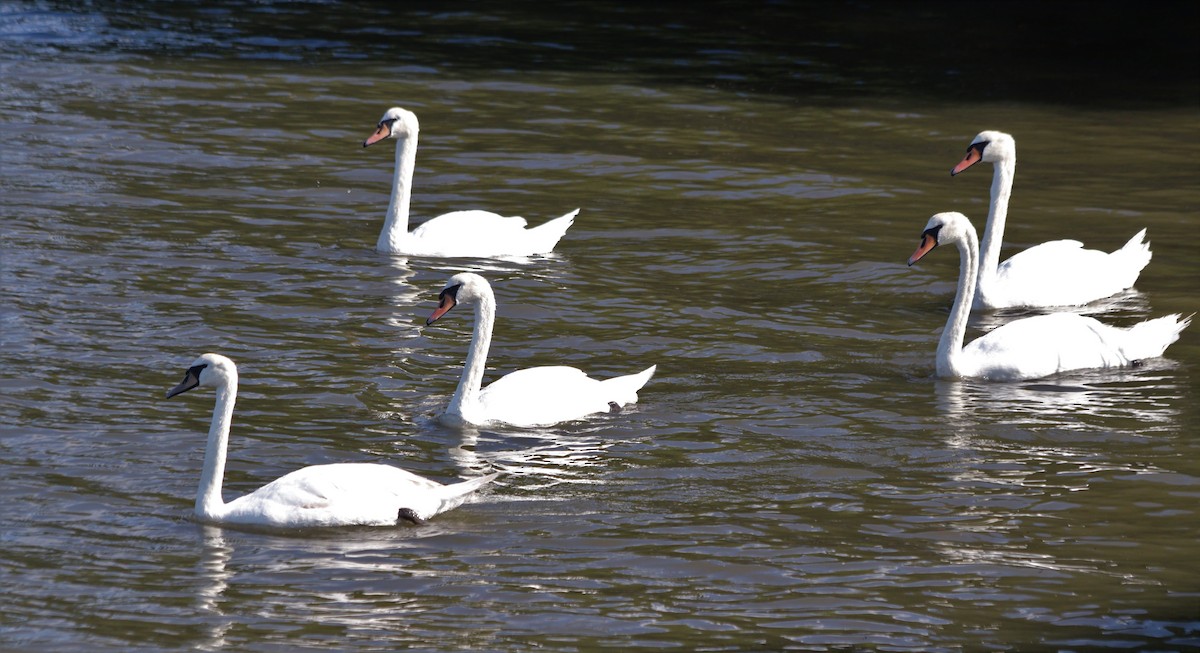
<point x="383" y="568"/>
<point x="1028" y="454"/>
<point x="534" y="459"/>
<point x="1052" y="433"/>
<point x="405" y="294"/>
<point x="1125" y="307"/>
<point x="214" y="578"/>
<point x="1144" y="398"/>
<point x="411" y="295"/>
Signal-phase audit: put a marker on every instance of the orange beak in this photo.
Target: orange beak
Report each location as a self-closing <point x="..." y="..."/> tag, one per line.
<point x="446" y="301"/>
<point x="928" y="242"/>
<point x="974" y="155"/>
<point x="383" y="131"/>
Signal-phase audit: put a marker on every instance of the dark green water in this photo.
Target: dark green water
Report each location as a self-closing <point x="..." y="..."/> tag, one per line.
<point x="752" y="178"/>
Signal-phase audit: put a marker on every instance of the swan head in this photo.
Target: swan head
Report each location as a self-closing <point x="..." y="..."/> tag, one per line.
<point x="942" y="228"/>
<point x="395" y="123"/>
<point x="208" y="370"/>
<point x="988" y="146"/>
<point x="465" y="288"/>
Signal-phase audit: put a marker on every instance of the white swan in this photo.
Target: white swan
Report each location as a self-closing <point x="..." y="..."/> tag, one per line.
<point x="1054" y="273"/>
<point x="537" y="396"/>
<point x="1031" y="347"/>
<point x="344" y="494"/>
<point x="475" y="234"/>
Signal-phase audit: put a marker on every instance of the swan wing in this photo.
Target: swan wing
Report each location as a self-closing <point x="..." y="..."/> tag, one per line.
<point x="541" y="396"/>
<point x="483" y="233"/>
<point x="345" y="494"/>
<point x="1063" y="273"/>
<point x="459" y="223"/>
<point x="1045" y="345"/>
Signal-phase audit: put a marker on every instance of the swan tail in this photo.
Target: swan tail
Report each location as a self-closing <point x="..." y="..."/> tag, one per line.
<point x="454" y="495"/>
<point x="546" y="236"/>
<point x="1151" y="338"/>
<point x="623" y="390"/>
<point x="1134" y="255"/>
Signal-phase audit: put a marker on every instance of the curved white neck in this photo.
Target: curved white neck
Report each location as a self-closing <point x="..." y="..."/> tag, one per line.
<point x="469" y="384"/>
<point x="395" y="225"/>
<point x="209" y="504"/>
<point x="993" y="232"/>
<point x="951" y="343"/>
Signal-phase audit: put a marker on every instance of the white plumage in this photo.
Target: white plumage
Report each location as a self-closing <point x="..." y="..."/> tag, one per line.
<point x="1054" y="273"/>
<point x="342" y="494"/>
<point x="1032" y="347"/>
<point x="474" y="234"/>
<point x="538" y="396"/>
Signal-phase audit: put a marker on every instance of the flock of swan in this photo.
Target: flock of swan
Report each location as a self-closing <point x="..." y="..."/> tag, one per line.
<point x="1056" y="273"/>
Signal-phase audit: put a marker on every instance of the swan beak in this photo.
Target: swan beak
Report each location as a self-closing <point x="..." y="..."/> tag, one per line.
<point x="446" y="301"/>
<point x="928" y="242"/>
<point x="974" y="155"/>
<point x="191" y="379"/>
<point x="383" y="131"/>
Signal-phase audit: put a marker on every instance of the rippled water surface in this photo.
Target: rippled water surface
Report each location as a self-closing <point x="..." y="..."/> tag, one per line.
<point x="179" y="180"/>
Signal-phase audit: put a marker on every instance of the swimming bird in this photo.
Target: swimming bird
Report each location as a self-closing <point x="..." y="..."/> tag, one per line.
<point x="537" y="396"/>
<point x="341" y="494"/>
<point x="1054" y="273"/>
<point x="1031" y="347"/>
<point x="472" y="233"/>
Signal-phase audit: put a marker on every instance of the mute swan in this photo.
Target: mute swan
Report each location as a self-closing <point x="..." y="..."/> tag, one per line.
<point x="345" y="494"/>
<point x="1054" y="273"/>
<point x="476" y="234"/>
<point x="537" y="396"/>
<point x="1031" y="347"/>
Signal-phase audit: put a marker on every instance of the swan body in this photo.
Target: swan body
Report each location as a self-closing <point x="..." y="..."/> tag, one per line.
<point x="474" y="234"/>
<point x="538" y="396"/>
<point x="342" y="494"/>
<point x="1054" y="273"/>
<point x="1032" y="347"/>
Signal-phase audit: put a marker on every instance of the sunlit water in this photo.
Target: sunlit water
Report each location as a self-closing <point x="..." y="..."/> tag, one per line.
<point x="793" y="477"/>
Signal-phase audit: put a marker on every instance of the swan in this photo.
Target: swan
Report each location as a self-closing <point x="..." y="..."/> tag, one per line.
<point x="343" y="494"/>
<point x="475" y="234"/>
<point x="537" y="396"/>
<point x="1031" y="347"/>
<point x="1054" y="273"/>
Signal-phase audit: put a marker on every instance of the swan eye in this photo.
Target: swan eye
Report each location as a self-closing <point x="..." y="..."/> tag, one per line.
<point x="932" y="232"/>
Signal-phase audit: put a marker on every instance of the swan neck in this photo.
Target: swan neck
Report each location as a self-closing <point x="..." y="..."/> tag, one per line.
<point x="951" y="343"/>
<point x="209" y="504"/>
<point x="471" y="381"/>
<point x="395" y="225"/>
<point x="993" y="231"/>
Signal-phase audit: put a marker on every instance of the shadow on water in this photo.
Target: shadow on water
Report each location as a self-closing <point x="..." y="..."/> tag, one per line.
<point x="1071" y="53"/>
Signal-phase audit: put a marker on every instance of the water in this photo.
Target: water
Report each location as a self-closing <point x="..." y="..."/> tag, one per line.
<point x="182" y="180"/>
